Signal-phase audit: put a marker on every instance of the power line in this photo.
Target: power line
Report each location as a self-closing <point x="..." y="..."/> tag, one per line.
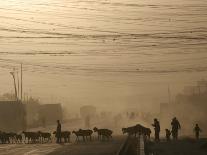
<point x="57" y="69"/>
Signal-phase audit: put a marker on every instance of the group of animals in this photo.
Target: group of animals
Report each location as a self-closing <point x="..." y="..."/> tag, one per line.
<point x="26" y="137"/>
<point x="103" y="134"/>
<point x="137" y="130"/>
<point x="85" y="135"/>
<point x="45" y="137"/>
<point x="10" y="137"/>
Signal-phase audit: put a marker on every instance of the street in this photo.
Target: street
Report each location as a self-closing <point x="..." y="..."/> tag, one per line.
<point x="76" y="148"/>
<point x="27" y="149"/>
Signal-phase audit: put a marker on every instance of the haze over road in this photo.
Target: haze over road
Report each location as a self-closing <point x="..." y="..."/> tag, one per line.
<point x="27" y="149"/>
<point x="116" y="52"/>
<point x="87" y="148"/>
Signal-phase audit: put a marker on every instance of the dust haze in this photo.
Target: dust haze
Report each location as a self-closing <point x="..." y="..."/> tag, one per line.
<point x="121" y="62"/>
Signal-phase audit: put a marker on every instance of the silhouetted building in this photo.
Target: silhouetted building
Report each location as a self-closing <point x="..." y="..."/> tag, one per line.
<point x="12" y="116"/>
<point x="87" y="113"/>
<point x="32" y="114"/>
<point x="87" y="110"/>
<point x="200" y="88"/>
<point x="49" y="113"/>
<point x="189" y="107"/>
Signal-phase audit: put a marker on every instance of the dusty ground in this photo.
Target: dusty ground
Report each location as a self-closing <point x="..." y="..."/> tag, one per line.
<point x="185" y="146"/>
<point x="91" y="148"/>
<point x="27" y="149"/>
<point x="87" y="148"/>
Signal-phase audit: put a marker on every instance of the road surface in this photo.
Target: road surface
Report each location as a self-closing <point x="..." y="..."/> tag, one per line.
<point x="27" y="149"/>
<point x="82" y="148"/>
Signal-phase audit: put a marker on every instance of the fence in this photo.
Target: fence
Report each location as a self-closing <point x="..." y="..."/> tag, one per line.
<point x="132" y="146"/>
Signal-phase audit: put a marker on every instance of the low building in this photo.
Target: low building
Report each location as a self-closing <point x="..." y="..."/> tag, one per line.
<point x="190" y="107"/>
<point x="87" y="113"/>
<point x="12" y="116"/>
<point x="87" y="110"/>
<point x="50" y="113"/>
<point x="32" y="114"/>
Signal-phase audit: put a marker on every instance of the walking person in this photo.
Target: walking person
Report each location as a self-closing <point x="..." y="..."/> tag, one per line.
<point x="156" y="126"/>
<point x="197" y="131"/>
<point x="58" y="132"/>
<point x="175" y="127"/>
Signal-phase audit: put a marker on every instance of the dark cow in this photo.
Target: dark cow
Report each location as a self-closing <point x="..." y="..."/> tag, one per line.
<point x="65" y="135"/>
<point x="103" y="133"/>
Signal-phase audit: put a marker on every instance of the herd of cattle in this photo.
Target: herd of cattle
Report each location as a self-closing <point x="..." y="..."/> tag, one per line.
<point x="84" y="135"/>
<point x="45" y="137"/>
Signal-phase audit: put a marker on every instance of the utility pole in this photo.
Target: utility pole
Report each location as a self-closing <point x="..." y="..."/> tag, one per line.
<point x="15" y="88"/>
<point x="21" y="82"/>
<point x="24" y="97"/>
<point x="17" y="84"/>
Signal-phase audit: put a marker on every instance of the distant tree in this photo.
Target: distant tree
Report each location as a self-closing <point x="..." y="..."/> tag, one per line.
<point x="7" y="97"/>
<point x="33" y="100"/>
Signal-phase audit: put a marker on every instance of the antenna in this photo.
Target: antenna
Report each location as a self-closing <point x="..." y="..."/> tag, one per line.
<point x="15" y="88"/>
<point x="17" y="84"/>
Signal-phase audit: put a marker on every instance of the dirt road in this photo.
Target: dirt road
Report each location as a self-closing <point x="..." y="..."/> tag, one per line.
<point x="87" y="148"/>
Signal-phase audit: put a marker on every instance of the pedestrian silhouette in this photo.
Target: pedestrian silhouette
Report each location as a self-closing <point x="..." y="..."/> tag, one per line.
<point x="197" y="131"/>
<point x="175" y="127"/>
<point x="58" y="132"/>
<point x="168" y="133"/>
<point x="156" y="126"/>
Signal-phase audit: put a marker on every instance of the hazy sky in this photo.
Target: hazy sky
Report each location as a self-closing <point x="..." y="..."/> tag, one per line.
<point x="103" y="52"/>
